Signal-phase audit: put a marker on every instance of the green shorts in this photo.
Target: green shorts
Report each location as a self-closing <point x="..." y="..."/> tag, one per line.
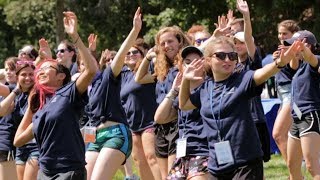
<point x="114" y="137"/>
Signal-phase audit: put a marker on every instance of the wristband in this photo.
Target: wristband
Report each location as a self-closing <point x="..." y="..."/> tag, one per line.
<point x="76" y="40"/>
<point x="16" y="91"/>
<point x="148" y="59"/>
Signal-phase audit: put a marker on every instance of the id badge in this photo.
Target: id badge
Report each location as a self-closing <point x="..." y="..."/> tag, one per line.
<point x="223" y="152"/>
<point x="89" y="134"/>
<point x="297" y="110"/>
<point x="181" y="147"/>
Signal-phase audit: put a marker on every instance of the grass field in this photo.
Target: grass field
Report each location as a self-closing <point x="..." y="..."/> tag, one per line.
<point x="275" y="169"/>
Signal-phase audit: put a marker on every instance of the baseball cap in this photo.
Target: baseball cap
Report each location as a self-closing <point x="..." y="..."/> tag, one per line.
<point x="309" y="36"/>
<point x="240" y="36"/>
<point x="190" y="49"/>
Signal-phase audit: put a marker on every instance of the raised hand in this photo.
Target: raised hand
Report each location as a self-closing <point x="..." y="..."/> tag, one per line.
<point x="70" y="23"/>
<point x="177" y="81"/>
<point x="287" y="55"/>
<point x="195" y="70"/>
<point x="151" y="54"/>
<point x="44" y="50"/>
<point x="222" y="28"/>
<point x="230" y="17"/>
<point x="92" y="40"/>
<point x="243" y="7"/>
<point x="137" y="22"/>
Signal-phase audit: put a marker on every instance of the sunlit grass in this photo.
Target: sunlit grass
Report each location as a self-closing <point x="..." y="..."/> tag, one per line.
<point x="275" y="169"/>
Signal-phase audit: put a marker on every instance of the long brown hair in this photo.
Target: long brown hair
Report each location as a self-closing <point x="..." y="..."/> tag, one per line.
<point x="163" y="63"/>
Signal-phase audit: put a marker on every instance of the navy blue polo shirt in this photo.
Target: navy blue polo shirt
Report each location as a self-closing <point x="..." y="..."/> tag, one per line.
<point x="256" y="107"/>
<point x="225" y="107"/>
<point x="104" y="102"/>
<point x="305" y="86"/>
<point x="7" y="128"/>
<point x="138" y="101"/>
<point x="163" y="87"/>
<point x="56" y="130"/>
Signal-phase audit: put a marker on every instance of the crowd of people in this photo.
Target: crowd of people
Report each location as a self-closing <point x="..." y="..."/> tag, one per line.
<point x="187" y="108"/>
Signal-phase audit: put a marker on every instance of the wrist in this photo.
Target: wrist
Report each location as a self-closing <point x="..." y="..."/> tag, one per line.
<point x="278" y="65"/>
<point x="75" y="38"/>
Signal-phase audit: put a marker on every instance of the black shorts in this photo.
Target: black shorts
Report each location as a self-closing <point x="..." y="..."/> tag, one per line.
<point x="70" y="175"/>
<point x="309" y="123"/>
<point x="264" y="140"/>
<point x="166" y="136"/>
<point x="253" y="170"/>
<point x="6" y="155"/>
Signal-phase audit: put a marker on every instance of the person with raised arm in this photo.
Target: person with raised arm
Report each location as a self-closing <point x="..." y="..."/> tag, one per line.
<point x="224" y="103"/>
<point x="166" y="58"/>
<point x="113" y="142"/>
<point x="26" y="157"/>
<point x="52" y="116"/>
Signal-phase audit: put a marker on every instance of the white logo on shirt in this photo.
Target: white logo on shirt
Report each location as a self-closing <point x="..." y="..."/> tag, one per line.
<point x="54" y="100"/>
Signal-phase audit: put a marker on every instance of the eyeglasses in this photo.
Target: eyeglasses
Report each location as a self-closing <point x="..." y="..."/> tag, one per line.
<point x="61" y="50"/>
<point x="201" y="40"/>
<point x="134" y="52"/>
<point x="25" y="62"/>
<point x="44" y="68"/>
<point x="233" y="56"/>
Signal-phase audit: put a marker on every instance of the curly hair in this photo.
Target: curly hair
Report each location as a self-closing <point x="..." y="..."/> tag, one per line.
<point x="163" y="63"/>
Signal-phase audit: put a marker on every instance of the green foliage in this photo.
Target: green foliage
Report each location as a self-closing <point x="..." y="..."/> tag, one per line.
<point x="26" y="21"/>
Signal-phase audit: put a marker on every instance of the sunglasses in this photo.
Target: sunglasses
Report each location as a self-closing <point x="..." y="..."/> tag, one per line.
<point x="21" y="53"/>
<point x="233" y="56"/>
<point x="25" y="62"/>
<point x="134" y="52"/>
<point x="61" y="51"/>
<point x="201" y="40"/>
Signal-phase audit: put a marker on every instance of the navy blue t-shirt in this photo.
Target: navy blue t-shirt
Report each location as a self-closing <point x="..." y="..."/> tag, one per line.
<point x="225" y="107"/>
<point x="21" y="105"/>
<point x="285" y="75"/>
<point x="138" y="101"/>
<point x="163" y="87"/>
<point x="104" y="102"/>
<point x="305" y="86"/>
<point x="7" y="128"/>
<point x="56" y="130"/>
<point x="256" y="107"/>
<point x="191" y="127"/>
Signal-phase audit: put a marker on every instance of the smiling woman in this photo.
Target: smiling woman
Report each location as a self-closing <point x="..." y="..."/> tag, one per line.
<point x="52" y="117"/>
<point x="233" y="140"/>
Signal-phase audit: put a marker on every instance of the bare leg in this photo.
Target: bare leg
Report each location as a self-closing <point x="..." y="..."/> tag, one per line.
<point x="31" y="170"/>
<point x="294" y="158"/>
<point x="91" y="157"/>
<point x="280" y="129"/>
<point x="310" y="144"/>
<point x="149" y="152"/>
<point x="163" y="165"/>
<point x="107" y="164"/>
